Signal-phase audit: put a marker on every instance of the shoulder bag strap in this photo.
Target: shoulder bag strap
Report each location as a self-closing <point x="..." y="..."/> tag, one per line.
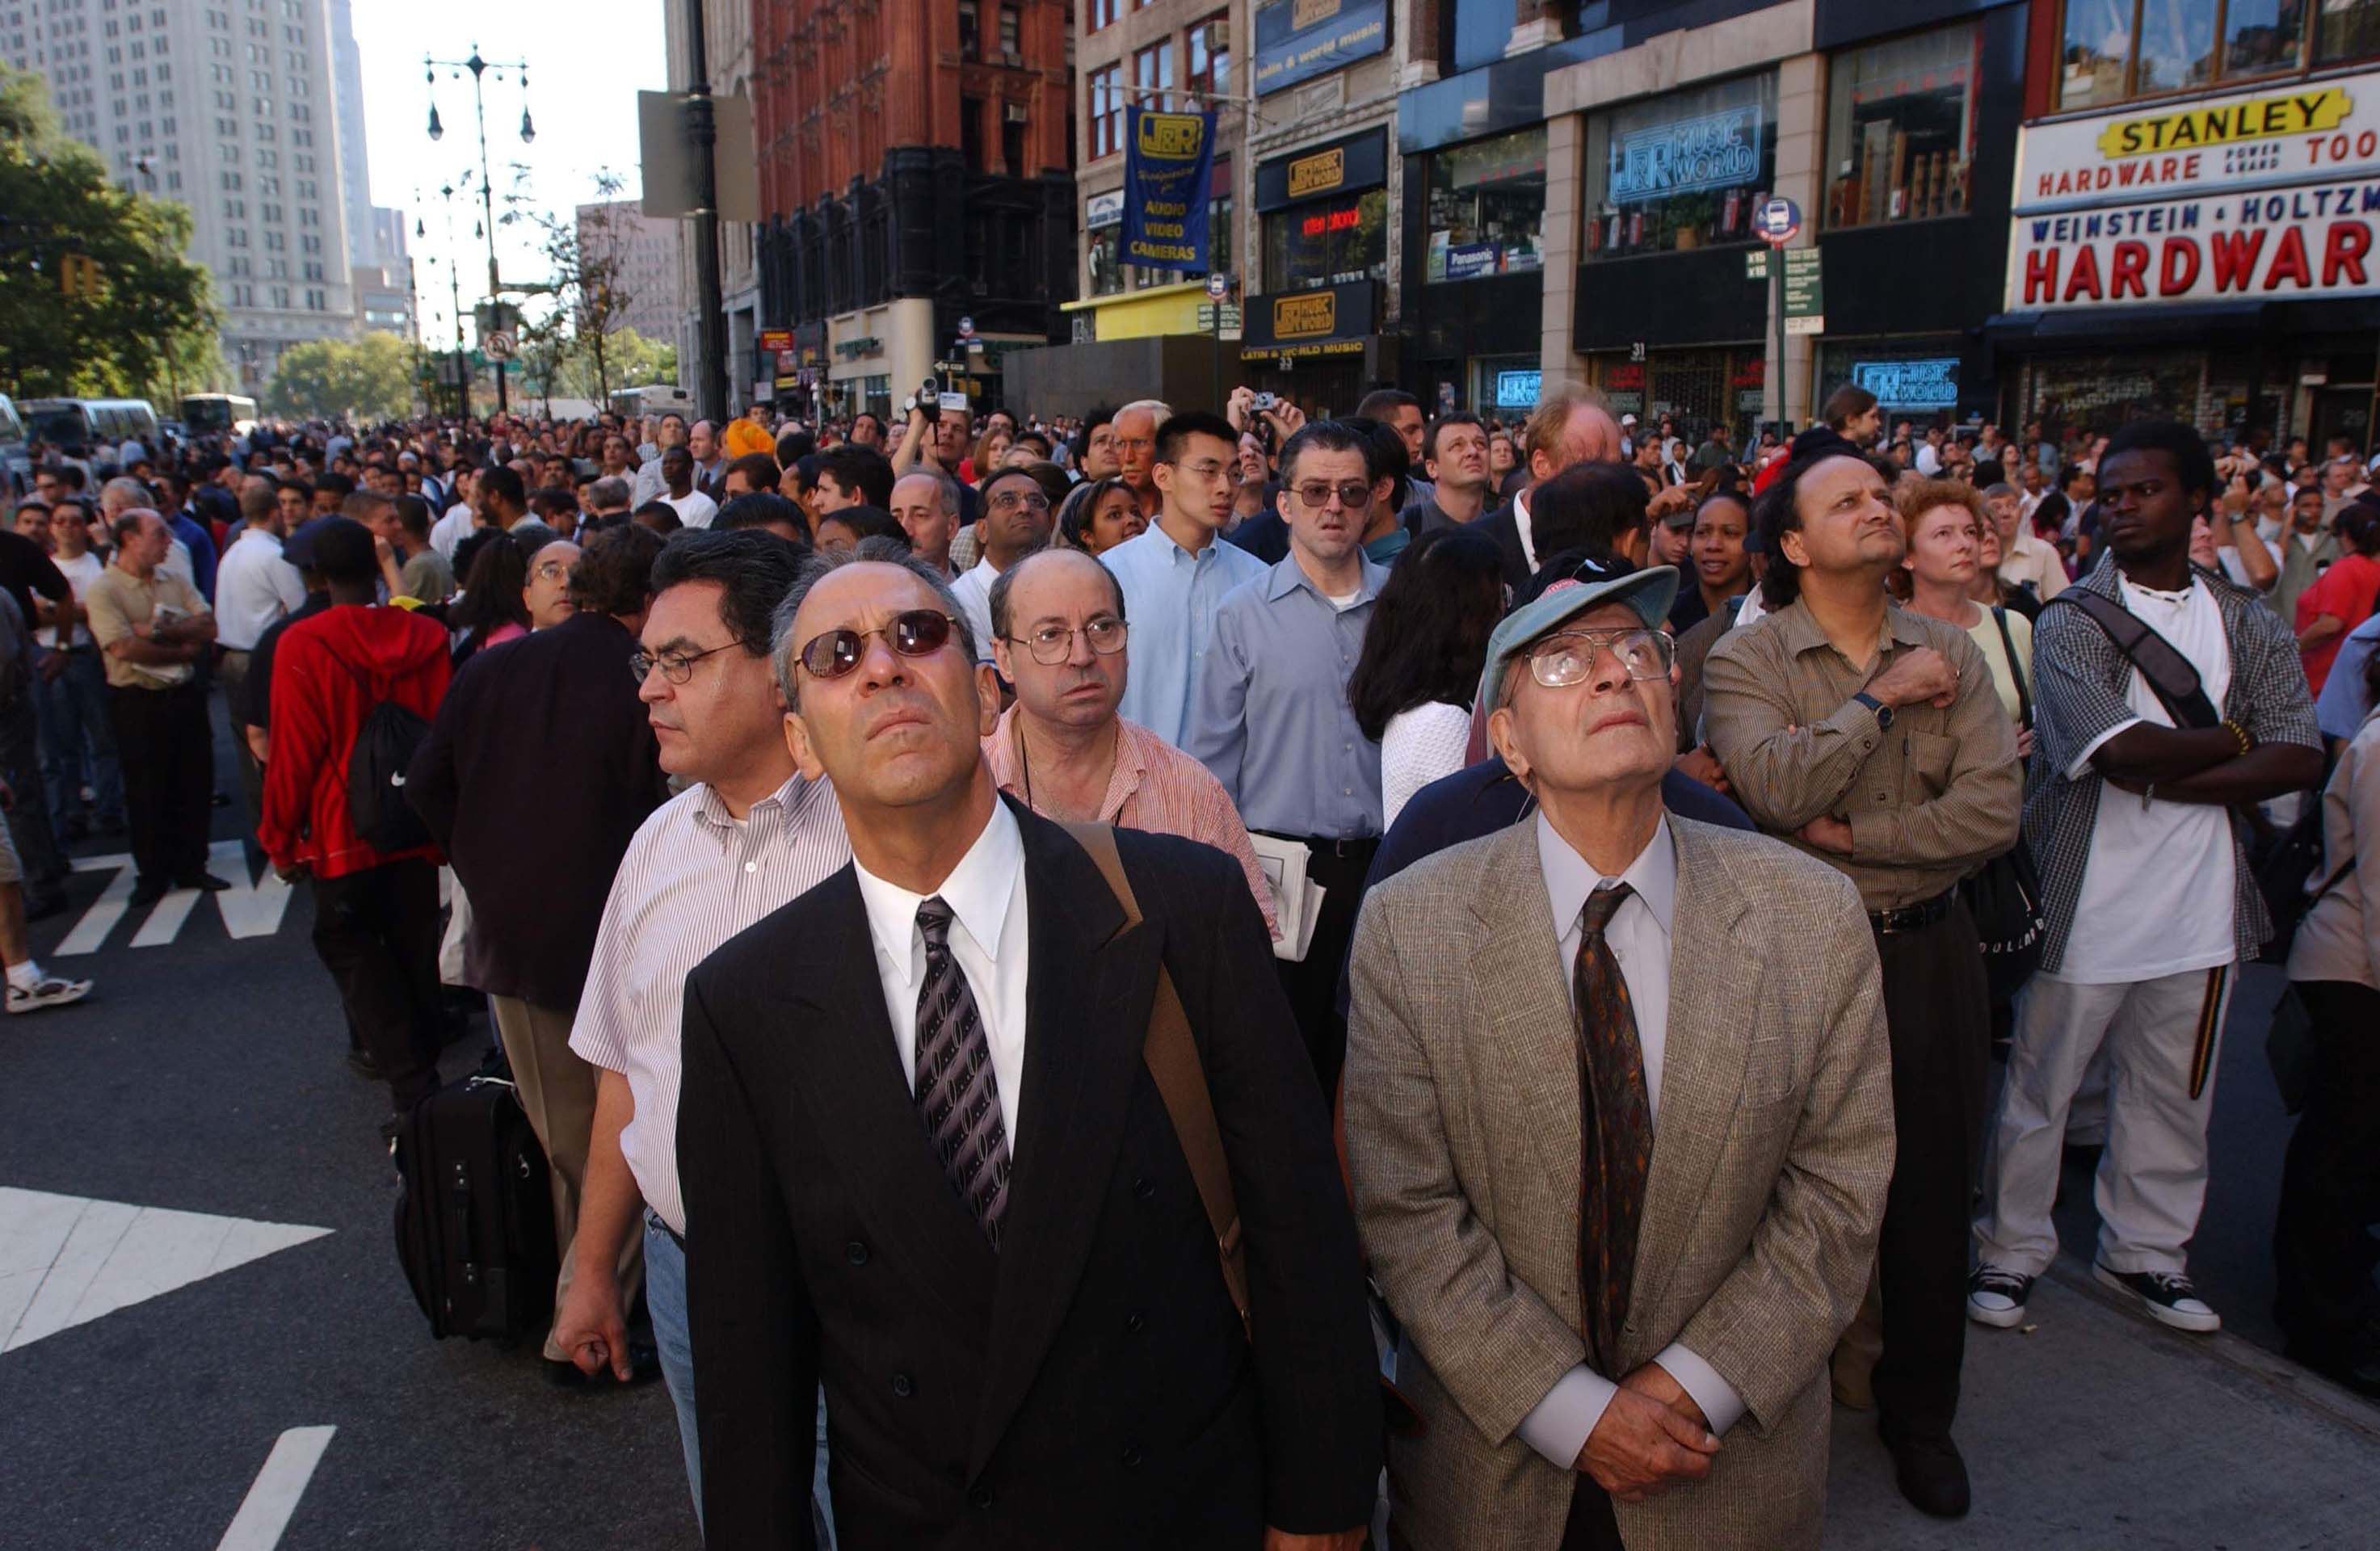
<point x="1172" y="1058"/>
<point x="2016" y="669"/>
<point x="2169" y="673"/>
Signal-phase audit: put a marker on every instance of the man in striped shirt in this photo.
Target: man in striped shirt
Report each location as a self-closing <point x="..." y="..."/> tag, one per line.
<point x="750" y="835"/>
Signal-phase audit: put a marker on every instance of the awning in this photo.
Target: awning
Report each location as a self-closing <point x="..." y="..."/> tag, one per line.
<point x="2186" y="322"/>
<point x="2128" y="324"/>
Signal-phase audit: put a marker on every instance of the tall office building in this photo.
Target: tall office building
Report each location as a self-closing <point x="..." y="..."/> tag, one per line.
<point x="355" y="165"/>
<point x="651" y="267"/>
<point x="229" y="107"/>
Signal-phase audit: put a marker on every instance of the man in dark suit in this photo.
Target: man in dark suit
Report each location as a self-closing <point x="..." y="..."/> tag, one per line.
<point x="1014" y="1357"/>
<point x="1571" y="425"/>
<point x="1041" y="1356"/>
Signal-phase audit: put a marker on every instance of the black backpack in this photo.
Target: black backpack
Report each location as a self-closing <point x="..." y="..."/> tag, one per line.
<point x="384" y="747"/>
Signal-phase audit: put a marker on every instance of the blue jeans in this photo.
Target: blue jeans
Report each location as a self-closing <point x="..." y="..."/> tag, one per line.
<point x="665" y="1301"/>
<point x="74" y="729"/>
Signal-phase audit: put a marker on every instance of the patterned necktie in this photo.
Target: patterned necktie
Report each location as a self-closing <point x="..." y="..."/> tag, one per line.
<point x="957" y="1093"/>
<point x="1615" y="1131"/>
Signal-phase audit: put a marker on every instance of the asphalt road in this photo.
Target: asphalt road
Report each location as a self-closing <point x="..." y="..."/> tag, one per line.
<point x="205" y="1076"/>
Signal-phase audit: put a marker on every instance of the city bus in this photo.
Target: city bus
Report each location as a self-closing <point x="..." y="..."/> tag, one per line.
<point x="209" y="414"/>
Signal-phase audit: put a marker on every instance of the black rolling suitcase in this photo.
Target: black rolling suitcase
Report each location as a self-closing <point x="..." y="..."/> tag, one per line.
<point x="474" y="1214"/>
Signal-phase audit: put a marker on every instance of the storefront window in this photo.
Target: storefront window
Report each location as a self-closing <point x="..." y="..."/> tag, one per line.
<point x="1683" y="171"/>
<point x="1328" y="242"/>
<point x="2348" y="30"/>
<point x="1900" y="132"/>
<point x="1488" y="206"/>
<point x="2115" y="50"/>
<point x="1106" y="275"/>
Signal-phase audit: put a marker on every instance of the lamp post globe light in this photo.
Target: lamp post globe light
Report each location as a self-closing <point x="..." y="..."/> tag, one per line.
<point x="480" y="68"/>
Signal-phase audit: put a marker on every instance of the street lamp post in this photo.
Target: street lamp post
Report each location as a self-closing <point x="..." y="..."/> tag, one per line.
<point x="480" y="68"/>
<point x="455" y="288"/>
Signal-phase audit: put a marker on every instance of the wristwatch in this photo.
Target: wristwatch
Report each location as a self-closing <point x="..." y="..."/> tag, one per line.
<point x="1883" y="711"/>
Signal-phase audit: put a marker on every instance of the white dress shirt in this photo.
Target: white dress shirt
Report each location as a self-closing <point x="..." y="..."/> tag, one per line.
<point x="973" y="589"/>
<point x="254" y="587"/>
<point x="1638" y="935"/>
<point x="985" y="894"/>
<point x="694" y="875"/>
<point x="451" y="530"/>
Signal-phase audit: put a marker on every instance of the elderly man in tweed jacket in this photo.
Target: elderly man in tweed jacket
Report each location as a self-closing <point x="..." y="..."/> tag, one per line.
<point x="1620" y="1128"/>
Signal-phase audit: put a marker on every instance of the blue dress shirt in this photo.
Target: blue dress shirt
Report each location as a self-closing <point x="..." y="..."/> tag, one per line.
<point x="1170" y="597"/>
<point x="1270" y="717"/>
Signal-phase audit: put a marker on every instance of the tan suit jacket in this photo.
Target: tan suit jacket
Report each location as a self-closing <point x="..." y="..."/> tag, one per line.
<point x="1770" y="1160"/>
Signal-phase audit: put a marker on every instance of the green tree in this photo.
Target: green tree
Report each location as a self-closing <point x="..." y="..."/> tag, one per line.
<point x="364" y="379"/>
<point x="144" y="322"/>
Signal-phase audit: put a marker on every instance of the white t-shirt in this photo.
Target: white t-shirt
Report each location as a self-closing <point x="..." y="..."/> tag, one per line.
<point x="77" y="572"/>
<point x="2158" y="889"/>
<point x="694" y="508"/>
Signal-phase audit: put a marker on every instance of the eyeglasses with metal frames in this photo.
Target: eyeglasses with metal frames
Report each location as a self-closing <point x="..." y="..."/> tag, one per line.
<point x="1052" y="644"/>
<point x="1561" y="660"/>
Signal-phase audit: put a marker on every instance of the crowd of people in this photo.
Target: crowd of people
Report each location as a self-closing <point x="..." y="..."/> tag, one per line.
<point x="1524" y="915"/>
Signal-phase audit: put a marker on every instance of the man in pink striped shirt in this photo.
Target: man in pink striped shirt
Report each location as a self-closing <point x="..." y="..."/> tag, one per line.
<point x="1059" y="636"/>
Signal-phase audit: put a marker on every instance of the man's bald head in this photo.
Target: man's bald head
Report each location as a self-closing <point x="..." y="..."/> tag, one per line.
<point x="1571" y="425"/>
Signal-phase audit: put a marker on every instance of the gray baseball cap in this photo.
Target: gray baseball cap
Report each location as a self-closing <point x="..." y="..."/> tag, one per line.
<point x="1649" y="592"/>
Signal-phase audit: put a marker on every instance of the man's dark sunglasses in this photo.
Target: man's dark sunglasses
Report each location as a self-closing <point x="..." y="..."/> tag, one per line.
<point x="916" y="633"/>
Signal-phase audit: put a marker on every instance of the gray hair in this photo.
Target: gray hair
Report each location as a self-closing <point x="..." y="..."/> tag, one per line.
<point x="947" y="487"/>
<point x="784" y="649"/>
<point x="1004" y="585"/>
<point x="125" y="488"/>
<point x="1158" y="410"/>
<point x="609" y="493"/>
<point x="1995" y="491"/>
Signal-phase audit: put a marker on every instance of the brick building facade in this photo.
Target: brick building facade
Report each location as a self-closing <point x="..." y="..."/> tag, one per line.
<point x="915" y="161"/>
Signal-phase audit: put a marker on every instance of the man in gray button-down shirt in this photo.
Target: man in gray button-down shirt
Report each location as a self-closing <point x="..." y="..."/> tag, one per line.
<point x="1270" y="714"/>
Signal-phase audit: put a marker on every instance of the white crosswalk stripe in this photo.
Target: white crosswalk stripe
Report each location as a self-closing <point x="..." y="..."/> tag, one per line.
<point x="251" y="907"/>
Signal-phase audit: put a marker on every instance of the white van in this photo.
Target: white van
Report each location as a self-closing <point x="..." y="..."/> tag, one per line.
<point x="15" y="467"/>
<point x="98" y="426"/>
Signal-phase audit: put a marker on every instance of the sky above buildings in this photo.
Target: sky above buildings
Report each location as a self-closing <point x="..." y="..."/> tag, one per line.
<point x="586" y="62"/>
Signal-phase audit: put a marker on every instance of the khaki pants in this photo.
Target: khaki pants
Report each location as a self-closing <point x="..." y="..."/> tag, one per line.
<point x="557" y="1089"/>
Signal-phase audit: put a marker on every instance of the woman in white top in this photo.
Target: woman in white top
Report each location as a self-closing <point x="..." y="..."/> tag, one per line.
<point x="1945" y="522"/>
<point x="2322" y="1246"/>
<point x="1422" y="651"/>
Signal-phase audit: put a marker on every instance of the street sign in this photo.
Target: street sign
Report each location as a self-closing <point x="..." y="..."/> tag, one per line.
<point x="966" y="328"/>
<point x="1756" y="266"/>
<point x="1779" y="221"/>
<point x="1815" y="325"/>
<point x="1805" y="288"/>
<point x="499" y="345"/>
<point x="1219" y="285"/>
<point x="1230" y="317"/>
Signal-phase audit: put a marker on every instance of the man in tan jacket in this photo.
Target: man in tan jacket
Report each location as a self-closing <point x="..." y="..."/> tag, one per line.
<point x="1618" y="1124"/>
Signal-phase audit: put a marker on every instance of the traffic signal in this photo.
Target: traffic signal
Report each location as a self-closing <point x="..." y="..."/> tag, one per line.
<point x="79" y="276"/>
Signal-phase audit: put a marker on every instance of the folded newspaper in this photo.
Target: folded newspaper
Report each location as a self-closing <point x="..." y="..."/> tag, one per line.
<point x="1296" y="899"/>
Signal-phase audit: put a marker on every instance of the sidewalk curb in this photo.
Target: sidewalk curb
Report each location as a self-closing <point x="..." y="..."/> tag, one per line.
<point x="2270" y="1369"/>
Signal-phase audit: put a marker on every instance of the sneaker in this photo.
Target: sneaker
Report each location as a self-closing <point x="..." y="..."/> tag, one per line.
<point x="51" y="992"/>
<point x="2165" y="1296"/>
<point x="1996" y="1297"/>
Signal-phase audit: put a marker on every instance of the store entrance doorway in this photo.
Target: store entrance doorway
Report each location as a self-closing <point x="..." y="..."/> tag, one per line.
<point x="2342" y="410"/>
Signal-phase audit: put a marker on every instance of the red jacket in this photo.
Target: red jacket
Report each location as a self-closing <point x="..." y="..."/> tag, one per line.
<point x="328" y="673"/>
